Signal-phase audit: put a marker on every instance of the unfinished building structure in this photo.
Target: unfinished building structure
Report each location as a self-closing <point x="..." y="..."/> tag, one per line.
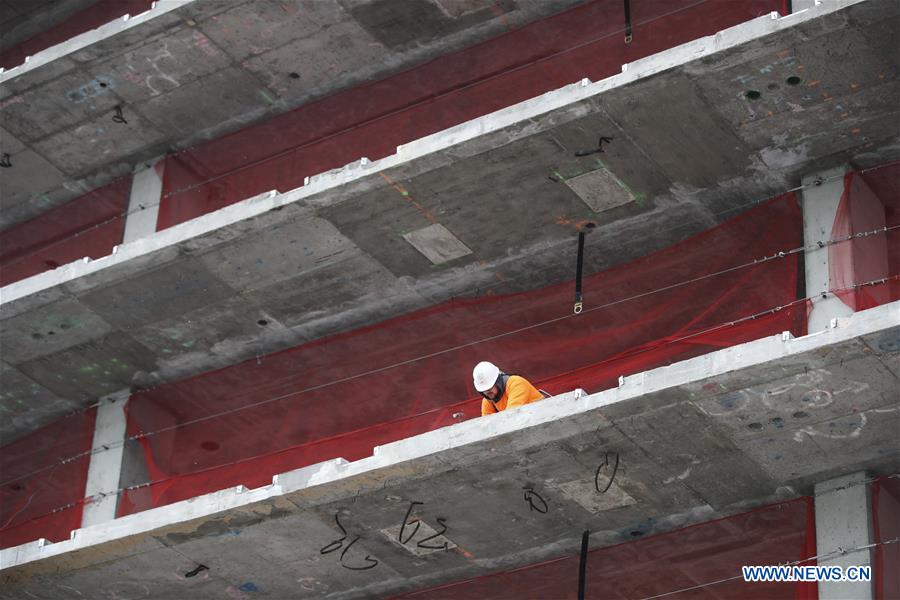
<point x="250" y="251"/>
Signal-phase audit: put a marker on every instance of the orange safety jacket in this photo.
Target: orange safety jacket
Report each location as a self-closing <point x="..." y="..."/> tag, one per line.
<point x="518" y="392"/>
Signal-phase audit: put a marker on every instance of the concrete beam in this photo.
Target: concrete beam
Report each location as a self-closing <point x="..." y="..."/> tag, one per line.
<point x="734" y="373"/>
<point x="104" y="472"/>
<point x="143" y="205"/>
<point x="423" y="155"/>
<point x="844" y="522"/>
<point x="86" y="39"/>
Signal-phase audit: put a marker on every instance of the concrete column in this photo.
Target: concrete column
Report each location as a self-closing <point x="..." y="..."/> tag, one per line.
<point x="820" y="205"/>
<point x="143" y="206"/>
<point x="798" y="5"/>
<point x="105" y="469"/>
<point x="844" y="521"/>
<point x="858" y="261"/>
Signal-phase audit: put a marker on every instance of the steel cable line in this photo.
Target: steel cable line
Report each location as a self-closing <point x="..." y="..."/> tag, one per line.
<point x="727" y="324"/>
<point x="756" y="262"/>
<point x="826" y="555"/>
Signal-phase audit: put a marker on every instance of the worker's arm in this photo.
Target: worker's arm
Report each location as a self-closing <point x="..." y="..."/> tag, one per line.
<point x="487" y="407"/>
<point x="519" y="392"/>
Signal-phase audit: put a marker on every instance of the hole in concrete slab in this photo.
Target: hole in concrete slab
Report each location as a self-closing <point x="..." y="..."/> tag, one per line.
<point x="753" y="95"/>
<point x="262" y="322"/>
<point x="210" y="446"/>
<point x="793" y="80"/>
<point x="590" y="225"/>
<point x="51" y="333"/>
<point x="755" y="426"/>
<point x="103" y="84"/>
<point x="800" y="414"/>
<point x="772" y="86"/>
<point x="636" y="533"/>
<point x="294" y="75"/>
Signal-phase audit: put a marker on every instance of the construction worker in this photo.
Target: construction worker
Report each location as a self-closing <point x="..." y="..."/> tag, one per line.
<point x="501" y="391"/>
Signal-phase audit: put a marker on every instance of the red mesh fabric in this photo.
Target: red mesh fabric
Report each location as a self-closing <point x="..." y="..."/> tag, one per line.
<point x="866" y="258"/>
<point x="886" y="521"/>
<point x="341" y="396"/>
<point x="884" y="182"/>
<point x="667" y="562"/>
<point x="89" y="225"/>
<point x="99" y="14"/>
<point x="48" y="503"/>
<point x="371" y="120"/>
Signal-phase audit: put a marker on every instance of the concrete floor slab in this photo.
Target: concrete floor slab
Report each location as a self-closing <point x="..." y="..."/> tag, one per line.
<point x="511" y="489"/>
<point x="162" y="64"/>
<point x="160" y="294"/>
<point x="280" y="25"/>
<point x="43" y="176"/>
<point x="26" y="404"/>
<point x="236" y="92"/>
<point x="50" y="329"/>
<point x="348" y="54"/>
<point x="40" y="114"/>
<point x="691" y="143"/>
<point x="107" y="364"/>
<point x="468" y="177"/>
<point x="247" y="55"/>
<point x="282" y="252"/>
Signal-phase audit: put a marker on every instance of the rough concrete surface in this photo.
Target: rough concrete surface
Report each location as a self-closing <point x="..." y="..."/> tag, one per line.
<point x="688" y="146"/>
<point x="699" y="439"/>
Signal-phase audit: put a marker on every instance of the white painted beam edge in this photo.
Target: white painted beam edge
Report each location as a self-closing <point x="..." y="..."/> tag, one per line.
<point x="406" y="153"/>
<point x="475" y="430"/>
<point x="83" y="40"/>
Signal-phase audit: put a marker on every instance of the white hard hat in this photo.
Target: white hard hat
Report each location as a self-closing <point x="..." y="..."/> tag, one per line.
<point x="485" y="376"/>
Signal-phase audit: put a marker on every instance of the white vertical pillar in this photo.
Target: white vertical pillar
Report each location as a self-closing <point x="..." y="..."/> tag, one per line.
<point x="105" y="469"/>
<point x="851" y="261"/>
<point x="844" y="522"/>
<point x="820" y="205"/>
<point x="143" y="205"/>
<point x="798" y="5"/>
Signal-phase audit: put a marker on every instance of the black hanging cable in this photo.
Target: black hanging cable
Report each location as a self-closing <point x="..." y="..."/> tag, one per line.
<point x="582" y="564"/>
<point x="627" y="21"/>
<point x="578" y="269"/>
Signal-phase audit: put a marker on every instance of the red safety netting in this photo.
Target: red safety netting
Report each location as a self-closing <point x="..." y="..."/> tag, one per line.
<point x="871" y="200"/>
<point x="100" y="13"/>
<point x="676" y="560"/>
<point x="89" y="225"/>
<point x="864" y="258"/>
<point x="886" y="527"/>
<point x="40" y="494"/>
<point x="371" y="120"/>
<point x="341" y="396"/>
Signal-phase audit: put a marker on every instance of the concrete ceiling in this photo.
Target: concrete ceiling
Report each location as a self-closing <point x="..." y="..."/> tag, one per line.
<point x="701" y="439"/>
<point x="202" y="68"/>
<point x="689" y="151"/>
<point x="21" y="20"/>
